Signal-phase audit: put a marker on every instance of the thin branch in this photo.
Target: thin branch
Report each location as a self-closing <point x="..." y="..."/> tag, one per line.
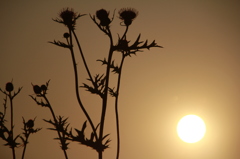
<point x="116" y="105"/>
<point x="83" y="58"/>
<point x="55" y="120"/>
<point x="105" y="94"/>
<point x="76" y="86"/>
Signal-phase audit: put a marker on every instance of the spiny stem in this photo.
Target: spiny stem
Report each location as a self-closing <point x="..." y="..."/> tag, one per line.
<point x="11" y="107"/>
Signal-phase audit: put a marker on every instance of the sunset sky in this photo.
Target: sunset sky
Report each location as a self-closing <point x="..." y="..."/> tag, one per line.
<point x="197" y="72"/>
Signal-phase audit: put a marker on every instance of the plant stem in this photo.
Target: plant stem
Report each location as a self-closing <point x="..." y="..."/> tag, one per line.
<point x="11" y="106"/>
<point x="116" y="106"/>
<point x="83" y="58"/>
<point x="124" y="35"/>
<point x="25" y="146"/>
<point x="105" y="96"/>
<point x="100" y="154"/>
<point x="56" y="122"/>
<point x="117" y="95"/>
<point x="76" y="86"/>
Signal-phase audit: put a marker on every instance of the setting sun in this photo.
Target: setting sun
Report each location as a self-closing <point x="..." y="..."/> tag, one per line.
<point x="191" y="128"/>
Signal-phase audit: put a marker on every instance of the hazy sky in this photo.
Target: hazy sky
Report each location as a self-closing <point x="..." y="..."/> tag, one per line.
<point x="197" y="72"/>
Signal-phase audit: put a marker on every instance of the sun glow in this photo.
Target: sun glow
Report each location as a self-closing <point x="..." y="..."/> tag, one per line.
<point x="191" y="128"/>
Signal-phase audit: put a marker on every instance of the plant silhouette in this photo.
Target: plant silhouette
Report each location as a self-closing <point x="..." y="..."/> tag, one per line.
<point x="8" y="135"/>
<point x="97" y="84"/>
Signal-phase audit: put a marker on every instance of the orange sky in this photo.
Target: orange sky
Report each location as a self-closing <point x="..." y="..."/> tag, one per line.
<point x="197" y="72"/>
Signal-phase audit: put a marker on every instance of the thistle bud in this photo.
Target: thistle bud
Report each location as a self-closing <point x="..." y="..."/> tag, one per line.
<point x="9" y="87"/>
<point x="30" y="123"/>
<point x="43" y="87"/>
<point x="123" y="44"/>
<point x="37" y="89"/>
<point x="66" y="35"/>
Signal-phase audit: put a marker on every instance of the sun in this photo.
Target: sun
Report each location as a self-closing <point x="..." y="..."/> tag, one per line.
<point x="191" y="128"/>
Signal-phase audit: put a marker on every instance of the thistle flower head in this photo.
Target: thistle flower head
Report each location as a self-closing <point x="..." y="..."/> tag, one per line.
<point x="102" y="15"/>
<point x="68" y="17"/>
<point x="127" y="15"/>
<point x="9" y="87"/>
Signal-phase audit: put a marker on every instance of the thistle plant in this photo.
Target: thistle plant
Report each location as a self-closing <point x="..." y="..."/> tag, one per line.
<point x="28" y="129"/>
<point x="11" y="140"/>
<point x="99" y="84"/>
<point x="40" y="92"/>
<point x="8" y="134"/>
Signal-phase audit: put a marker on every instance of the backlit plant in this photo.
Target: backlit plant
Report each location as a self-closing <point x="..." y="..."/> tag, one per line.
<point x="97" y="84"/>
